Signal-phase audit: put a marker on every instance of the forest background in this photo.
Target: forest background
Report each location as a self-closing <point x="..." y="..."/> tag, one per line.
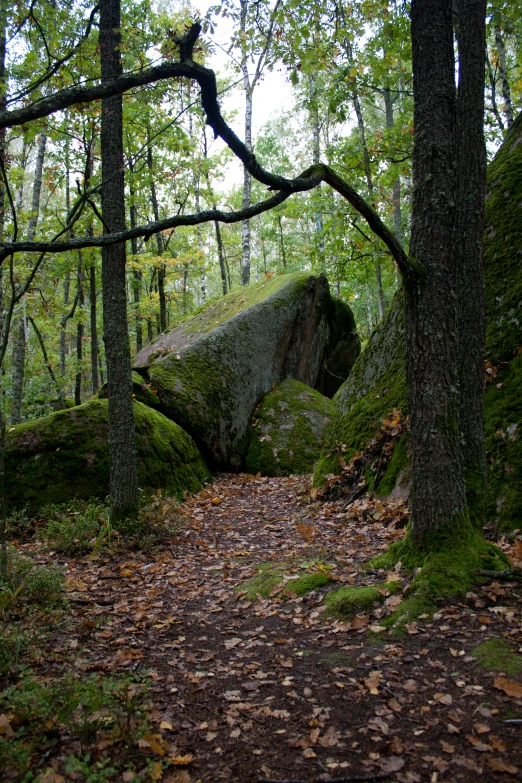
<point x="346" y="71"/>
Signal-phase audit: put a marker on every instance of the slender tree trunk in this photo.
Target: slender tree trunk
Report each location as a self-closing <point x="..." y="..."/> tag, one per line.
<point x="316" y="158"/>
<point x="159" y="243"/>
<point x="493" y="90"/>
<point x="281" y="239"/>
<point x="122" y="443"/>
<point x="247" y="183"/>
<point x="79" y="336"/>
<point x="438" y="494"/>
<point x="48" y="364"/>
<point x="3" y="149"/>
<point x="396" y="195"/>
<point x="369" y="183"/>
<point x="469" y="16"/>
<point x="221" y="257"/>
<point x="504" y="79"/>
<point x="94" y="329"/>
<point x="19" y="345"/>
<point x="136" y="273"/>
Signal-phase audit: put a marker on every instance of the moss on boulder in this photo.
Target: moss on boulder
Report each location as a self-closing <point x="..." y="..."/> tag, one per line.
<point x="212" y="369"/>
<point x="287" y="430"/>
<point x="65" y="455"/>
<point x="377" y="383"/>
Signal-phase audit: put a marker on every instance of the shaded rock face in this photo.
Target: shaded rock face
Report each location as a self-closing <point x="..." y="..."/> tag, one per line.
<point x="287" y="430"/>
<point x="212" y="369"/>
<point x="65" y="455"/>
<point x="377" y="383"/>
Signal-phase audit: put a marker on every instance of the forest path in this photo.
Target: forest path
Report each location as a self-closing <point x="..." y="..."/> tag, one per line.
<point x="271" y="689"/>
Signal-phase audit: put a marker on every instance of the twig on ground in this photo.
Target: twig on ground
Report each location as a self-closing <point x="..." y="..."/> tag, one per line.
<point x="509" y="573"/>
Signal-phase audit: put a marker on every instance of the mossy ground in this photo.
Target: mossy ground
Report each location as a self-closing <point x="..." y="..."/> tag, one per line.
<point x="65" y="455"/>
<point x="286" y="434"/>
<point x="346" y="601"/>
<point x="498" y="655"/>
<point x="272" y="575"/>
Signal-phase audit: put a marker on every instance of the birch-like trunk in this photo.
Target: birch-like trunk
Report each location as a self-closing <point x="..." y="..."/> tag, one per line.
<point x="504" y="78"/>
<point x="159" y="243"/>
<point x="247" y="182"/>
<point x="19" y="346"/>
<point x="396" y="195"/>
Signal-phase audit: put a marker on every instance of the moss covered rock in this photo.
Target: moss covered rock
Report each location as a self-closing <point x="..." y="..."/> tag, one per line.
<point x="287" y="431"/>
<point x="214" y="367"/>
<point x="65" y="455"/>
<point x="377" y="383"/>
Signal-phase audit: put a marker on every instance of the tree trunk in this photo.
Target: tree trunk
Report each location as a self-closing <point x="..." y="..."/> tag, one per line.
<point x="396" y="195"/>
<point x="48" y="364"/>
<point x="316" y="158"/>
<point x="438" y="493"/>
<point x="221" y="257"/>
<point x="159" y="243"/>
<point x="94" y="329"/>
<point x="504" y="79"/>
<point x="79" y="336"/>
<point x="247" y="184"/>
<point x="469" y="18"/>
<point x="3" y="148"/>
<point x="122" y="443"/>
<point x="136" y="273"/>
<point x="19" y="345"/>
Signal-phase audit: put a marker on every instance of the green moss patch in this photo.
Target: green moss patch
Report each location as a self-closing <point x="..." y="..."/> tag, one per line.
<point x="287" y="432"/>
<point x="347" y="601"/>
<point x="306" y="583"/>
<point x="497" y="655"/>
<point x="270" y="576"/>
<point x="66" y="455"/>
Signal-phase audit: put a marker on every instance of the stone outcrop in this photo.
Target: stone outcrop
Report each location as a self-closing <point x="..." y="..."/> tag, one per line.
<point x="212" y="369"/>
<point x="287" y="430"/>
<point x="66" y="455"/>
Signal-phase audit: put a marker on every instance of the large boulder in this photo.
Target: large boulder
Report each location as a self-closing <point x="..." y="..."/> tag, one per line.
<point x="377" y="382"/>
<point x="211" y="370"/>
<point x="287" y="431"/>
<point x="65" y="455"/>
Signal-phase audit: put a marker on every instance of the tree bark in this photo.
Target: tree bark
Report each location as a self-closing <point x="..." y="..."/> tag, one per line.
<point x="438" y="494"/>
<point x="136" y="273"/>
<point x="79" y="335"/>
<point x="221" y="256"/>
<point x="94" y="329"/>
<point x="122" y="444"/>
<point x="396" y="196"/>
<point x="469" y="16"/>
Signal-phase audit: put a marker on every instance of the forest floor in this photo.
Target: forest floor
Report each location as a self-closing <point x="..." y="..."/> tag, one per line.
<point x="272" y="689"/>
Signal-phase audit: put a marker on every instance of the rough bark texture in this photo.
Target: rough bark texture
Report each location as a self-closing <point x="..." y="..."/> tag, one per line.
<point x="212" y="369"/>
<point x="469" y="18"/>
<point x="504" y="78"/>
<point x="122" y="447"/>
<point x="94" y="330"/>
<point x="18" y="364"/>
<point x="431" y="313"/>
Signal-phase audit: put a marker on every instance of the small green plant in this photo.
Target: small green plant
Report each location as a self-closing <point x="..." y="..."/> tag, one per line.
<point x="30" y="582"/>
<point x="159" y="520"/>
<point x="20" y="525"/>
<point x="78" y="527"/>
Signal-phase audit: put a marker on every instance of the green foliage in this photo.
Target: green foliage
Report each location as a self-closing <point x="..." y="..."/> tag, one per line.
<point x="347" y="601"/>
<point x="498" y="655"/>
<point x="28" y="582"/>
<point x="307" y="582"/>
<point x="79" y="707"/>
<point x="78" y="527"/>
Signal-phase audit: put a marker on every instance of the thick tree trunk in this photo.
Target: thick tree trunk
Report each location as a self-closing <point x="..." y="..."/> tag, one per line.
<point x="469" y="18"/>
<point x="122" y="444"/>
<point x="438" y="495"/>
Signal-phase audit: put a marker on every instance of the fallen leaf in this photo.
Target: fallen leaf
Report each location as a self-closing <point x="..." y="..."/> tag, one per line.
<point x="391" y="764"/>
<point x="181" y="761"/>
<point x="481" y="728"/>
<point x="497" y="765"/>
<point x="373" y="681"/>
<point x="446" y="747"/>
<point x="511" y="687"/>
<point x="443" y="698"/>
<point x="496" y="743"/>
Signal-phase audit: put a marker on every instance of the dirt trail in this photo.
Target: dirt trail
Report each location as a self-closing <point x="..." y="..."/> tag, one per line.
<point x="271" y="689"/>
